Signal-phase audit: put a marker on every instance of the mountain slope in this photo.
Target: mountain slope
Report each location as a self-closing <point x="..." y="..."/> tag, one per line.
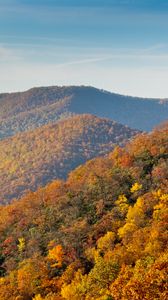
<point x="36" y="157"/>
<point x="100" y="235"/>
<point x="39" y="106"/>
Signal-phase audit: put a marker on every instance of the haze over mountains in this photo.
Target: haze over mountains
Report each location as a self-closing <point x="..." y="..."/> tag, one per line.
<point x="83" y="171"/>
<point x="34" y="158"/>
<point x="39" y="106"/>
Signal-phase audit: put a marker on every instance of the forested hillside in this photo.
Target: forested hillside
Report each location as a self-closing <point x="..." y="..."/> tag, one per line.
<point x="101" y="235"/>
<point x="39" y="106"/>
<point x="34" y="158"/>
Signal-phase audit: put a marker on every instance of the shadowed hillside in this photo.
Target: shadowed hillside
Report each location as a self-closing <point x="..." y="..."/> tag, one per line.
<point x="39" y="106"/>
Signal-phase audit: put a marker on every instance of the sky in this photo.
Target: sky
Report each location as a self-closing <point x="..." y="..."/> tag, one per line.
<point x="117" y="45"/>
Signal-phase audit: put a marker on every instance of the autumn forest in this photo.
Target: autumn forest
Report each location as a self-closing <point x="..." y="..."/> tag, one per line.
<point x="98" y="233"/>
<point x="83" y="149"/>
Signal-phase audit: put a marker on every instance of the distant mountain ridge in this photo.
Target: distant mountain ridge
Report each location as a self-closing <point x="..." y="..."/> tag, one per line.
<point x="34" y="158"/>
<point x="39" y="106"/>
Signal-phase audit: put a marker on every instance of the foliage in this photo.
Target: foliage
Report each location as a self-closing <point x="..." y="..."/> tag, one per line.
<point x="91" y="237"/>
<point x="136" y="187"/>
<point x="21" y="245"/>
<point x="35" y="158"/>
<point x="36" y="107"/>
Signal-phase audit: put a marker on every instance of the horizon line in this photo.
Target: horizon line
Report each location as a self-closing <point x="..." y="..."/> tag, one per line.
<point x="82" y="85"/>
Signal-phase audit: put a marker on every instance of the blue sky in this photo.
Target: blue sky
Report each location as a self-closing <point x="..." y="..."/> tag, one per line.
<point x="121" y="46"/>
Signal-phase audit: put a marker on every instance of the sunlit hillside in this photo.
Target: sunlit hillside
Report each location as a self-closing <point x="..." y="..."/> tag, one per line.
<point x="101" y="235"/>
<point x="34" y="158"/>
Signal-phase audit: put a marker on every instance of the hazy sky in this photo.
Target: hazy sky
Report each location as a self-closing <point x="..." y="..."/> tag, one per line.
<point x="121" y="46"/>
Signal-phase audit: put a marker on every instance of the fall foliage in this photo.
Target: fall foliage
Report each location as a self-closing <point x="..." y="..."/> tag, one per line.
<point x="40" y="106"/>
<point x="35" y="158"/>
<point x="101" y="234"/>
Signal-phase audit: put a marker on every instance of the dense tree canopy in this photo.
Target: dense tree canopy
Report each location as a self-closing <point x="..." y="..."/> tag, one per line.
<point x="101" y="235"/>
<point x="31" y="159"/>
<point x="43" y="105"/>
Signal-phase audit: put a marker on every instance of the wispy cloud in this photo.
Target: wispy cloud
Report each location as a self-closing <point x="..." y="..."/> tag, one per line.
<point x="5" y="54"/>
<point x="143" y="81"/>
<point x="8" y="55"/>
<point x="121" y="56"/>
<point x="80" y="55"/>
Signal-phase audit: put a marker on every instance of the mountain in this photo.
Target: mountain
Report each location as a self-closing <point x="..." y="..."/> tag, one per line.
<point x="34" y="158"/>
<point x="101" y="235"/>
<point x="39" y="106"/>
